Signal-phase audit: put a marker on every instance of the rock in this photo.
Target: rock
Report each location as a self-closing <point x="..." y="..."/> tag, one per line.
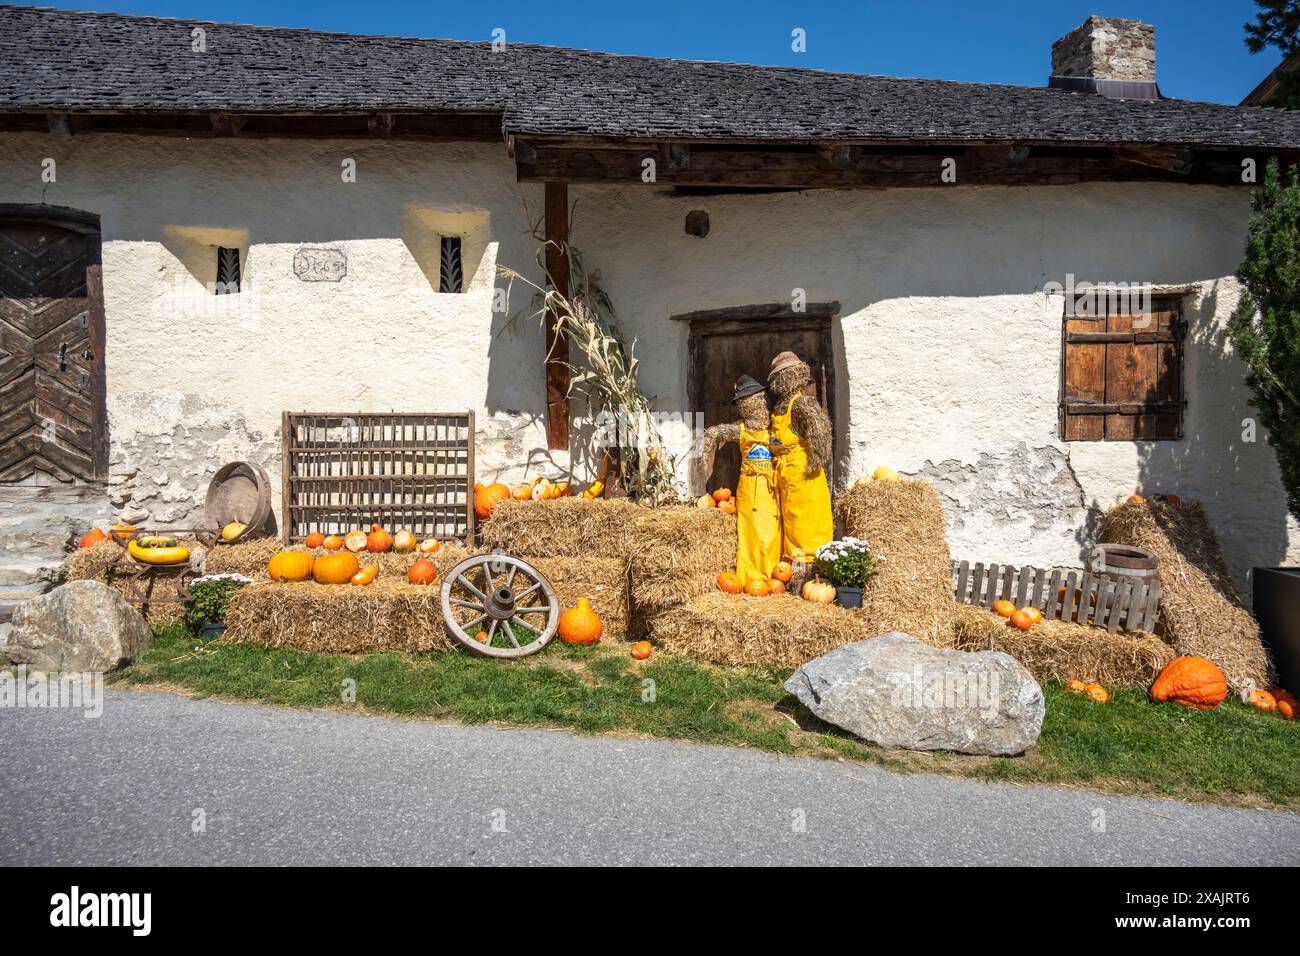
<point x="897" y="692"/>
<point x="81" y="626"/>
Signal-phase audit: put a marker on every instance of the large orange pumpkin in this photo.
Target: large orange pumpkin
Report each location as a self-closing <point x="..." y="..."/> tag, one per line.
<point x="581" y="624"/>
<point x="336" y="568"/>
<point x="290" y="566"/>
<point x="315" y="539"/>
<point x="378" y="541"/>
<point x="422" y="572"/>
<point x="92" y="538"/>
<point x="486" y="497"/>
<point x="1192" y="682"/>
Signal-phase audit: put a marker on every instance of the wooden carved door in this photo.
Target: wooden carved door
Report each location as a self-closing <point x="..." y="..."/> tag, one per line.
<point x="52" y="386"/>
<point x="726" y="347"/>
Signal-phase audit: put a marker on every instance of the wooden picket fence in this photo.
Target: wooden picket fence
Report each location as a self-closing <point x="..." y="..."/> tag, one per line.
<point x="1104" y="600"/>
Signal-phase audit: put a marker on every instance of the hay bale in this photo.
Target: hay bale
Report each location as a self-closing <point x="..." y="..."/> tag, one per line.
<point x="389" y="615"/>
<point x="98" y="564"/>
<point x="675" y="555"/>
<point x="250" y="558"/>
<point x="602" y="581"/>
<point x="563" y="528"/>
<point x="779" y="631"/>
<point x="1201" y="612"/>
<point x="912" y="590"/>
<point x="1062" y="650"/>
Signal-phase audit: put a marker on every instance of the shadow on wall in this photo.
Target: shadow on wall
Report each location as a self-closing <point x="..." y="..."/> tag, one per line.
<point x="1235" y="479"/>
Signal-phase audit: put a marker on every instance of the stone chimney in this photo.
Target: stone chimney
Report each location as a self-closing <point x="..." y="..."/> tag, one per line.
<point x="1112" y="57"/>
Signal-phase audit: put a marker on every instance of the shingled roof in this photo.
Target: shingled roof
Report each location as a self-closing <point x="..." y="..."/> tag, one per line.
<point x="68" y="61"/>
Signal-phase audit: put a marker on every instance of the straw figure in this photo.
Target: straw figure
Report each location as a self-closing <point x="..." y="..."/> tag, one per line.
<point x="801" y="444"/>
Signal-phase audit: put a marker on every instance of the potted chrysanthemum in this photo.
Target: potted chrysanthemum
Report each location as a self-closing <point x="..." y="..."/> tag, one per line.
<point x="205" y="611"/>
<point x="848" y="564"/>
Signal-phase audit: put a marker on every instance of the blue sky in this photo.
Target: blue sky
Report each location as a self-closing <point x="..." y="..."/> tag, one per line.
<point x="1199" y="49"/>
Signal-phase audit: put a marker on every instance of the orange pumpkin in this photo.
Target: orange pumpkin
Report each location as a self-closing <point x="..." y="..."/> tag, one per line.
<point x="404" y="542"/>
<point x="581" y="624"/>
<point x="336" y="568"/>
<point x="92" y="538"/>
<point x="522" y="492"/>
<point x="290" y="566"/>
<point x="1136" y="500"/>
<point x="422" y="572"/>
<point x="315" y="539"/>
<point x="1005" y="608"/>
<point x="1035" y="615"/>
<point x="123" y="532"/>
<point x="705" y="501"/>
<point x="1076" y="686"/>
<point x="729" y="581"/>
<point x="1281" y="694"/>
<point x="783" y="572"/>
<point x="1021" y="621"/>
<point x="332" y="543"/>
<point x="430" y="546"/>
<point x="757" y="588"/>
<point x="1097" y="693"/>
<point x="1287" y="709"/>
<point x="378" y="541"/>
<point x="487" y="497"/>
<point x="1192" y="682"/>
<point x="775" y="586"/>
<point x="641" y="650"/>
<point x="355" y="541"/>
<point x="1262" y="700"/>
<point x="366" y="575"/>
<point x="727" y="507"/>
<point x="722" y="494"/>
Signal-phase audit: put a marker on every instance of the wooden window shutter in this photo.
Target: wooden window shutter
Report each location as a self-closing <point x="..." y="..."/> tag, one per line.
<point x="1121" y="375"/>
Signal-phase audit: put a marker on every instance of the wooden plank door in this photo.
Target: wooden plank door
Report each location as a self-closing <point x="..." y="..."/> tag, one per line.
<point x="723" y="350"/>
<point x="52" y="394"/>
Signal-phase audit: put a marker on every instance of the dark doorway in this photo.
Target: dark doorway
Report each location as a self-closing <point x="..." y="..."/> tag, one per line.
<point x="52" y="385"/>
<point x="728" y="343"/>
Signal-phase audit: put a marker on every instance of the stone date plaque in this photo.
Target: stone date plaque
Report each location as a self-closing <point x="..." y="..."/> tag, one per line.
<point x="320" y="265"/>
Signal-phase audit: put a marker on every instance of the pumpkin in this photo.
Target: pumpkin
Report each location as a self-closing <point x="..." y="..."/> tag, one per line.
<point x="1097" y="693"/>
<point x="378" y="541"/>
<point x="641" y="650"/>
<point x="727" y="507"/>
<point x="422" y="572"/>
<point x="522" y="492"/>
<point x="233" y="530"/>
<point x="355" y="541"/>
<point x="594" y="490"/>
<point x="123" y="532"/>
<point x="818" y="591"/>
<point x="332" y="543"/>
<point x="1005" y="608"/>
<point x="366" y="575"/>
<point x="335" y="568"/>
<point x="1281" y="694"/>
<point x="783" y="572"/>
<point x="92" y="538"/>
<point x="403" y="542"/>
<point x="1262" y="700"/>
<point x="757" y="588"/>
<point x="1192" y="682"/>
<point x="316" y="539"/>
<point x="722" y="494"/>
<point x="1035" y="615"/>
<point x="884" y="473"/>
<point x="1021" y="621"/>
<point x="729" y="581"/>
<point x="541" y="491"/>
<point x="1076" y="686"/>
<point x="290" y="566"/>
<point x="1136" y="500"/>
<point x="1287" y="709"/>
<point x="705" y="501"/>
<point x="776" y="586"/>
<point x="430" y="546"/>
<point x="581" y="624"/>
<point x="487" y="497"/>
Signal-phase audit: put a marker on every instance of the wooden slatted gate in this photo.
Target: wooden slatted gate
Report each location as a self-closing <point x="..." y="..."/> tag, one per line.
<point x="403" y="470"/>
<point x="1104" y="600"/>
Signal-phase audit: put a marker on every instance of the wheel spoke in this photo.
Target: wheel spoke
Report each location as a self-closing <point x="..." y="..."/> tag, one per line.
<point x="468" y="624"/>
<point x="527" y="591"/>
<point x="492" y="630"/>
<point x="510" y="576"/>
<point x="510" y="633"/>
<point x="489" y="587"/>
<point x="462" y="603"/>
<point x="533" y="610"/>
<point x="469" y="587"/>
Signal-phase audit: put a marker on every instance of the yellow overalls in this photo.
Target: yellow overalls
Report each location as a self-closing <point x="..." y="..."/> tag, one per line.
<point x="758" y="518"/>
<point x="805" y="502"/>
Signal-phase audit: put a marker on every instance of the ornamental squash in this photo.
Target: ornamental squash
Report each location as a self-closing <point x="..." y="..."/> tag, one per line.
<point x="1192" y="682"/>
<point x="378" y="541"/>
<point x="332" y="543"/>
<point x="355" y="541"/>
<point x="366" y="575"/>
<point x="581" y="624"/>
<point x="336" y="568"/>
<point x="403" y="542"/>
<point x="818" y="591"/>
<point x="641" y="650"/>
<point x="233" y="530"/>
<point x="430" y="546"/>
<point x="290" y="566"/>
<point x="316" y="540"/>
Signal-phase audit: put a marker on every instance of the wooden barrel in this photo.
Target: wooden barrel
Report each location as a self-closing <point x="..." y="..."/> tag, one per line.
<point x="1126" y="562"/>
<point x="239" y="491"/>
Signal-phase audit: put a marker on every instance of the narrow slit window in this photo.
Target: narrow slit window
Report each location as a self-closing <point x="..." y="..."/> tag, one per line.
<point x="227" y="271"/>
<point x="450" y="275"/>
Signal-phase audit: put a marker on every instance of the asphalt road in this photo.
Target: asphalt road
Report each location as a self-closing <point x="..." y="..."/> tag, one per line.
<point x="272" y="786"/>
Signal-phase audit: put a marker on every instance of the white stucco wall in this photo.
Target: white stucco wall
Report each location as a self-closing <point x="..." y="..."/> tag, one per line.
<point x="947" y="349"/>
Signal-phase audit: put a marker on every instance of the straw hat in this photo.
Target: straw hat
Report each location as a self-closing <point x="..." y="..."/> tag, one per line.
<point x="782" y="361"/>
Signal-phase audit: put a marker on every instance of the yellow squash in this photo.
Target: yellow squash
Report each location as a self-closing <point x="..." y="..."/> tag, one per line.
<point x="165" y="551"/>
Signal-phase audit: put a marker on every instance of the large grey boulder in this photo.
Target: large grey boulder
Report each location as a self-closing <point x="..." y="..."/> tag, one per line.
<point x="897" y="692"/>
<point x="81" y="626"/>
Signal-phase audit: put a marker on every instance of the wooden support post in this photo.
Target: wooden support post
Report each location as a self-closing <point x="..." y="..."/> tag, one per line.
<point x="557" y="266"/>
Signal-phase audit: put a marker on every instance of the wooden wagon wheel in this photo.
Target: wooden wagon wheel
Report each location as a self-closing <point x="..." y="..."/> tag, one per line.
<point x="498" y="605"/>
